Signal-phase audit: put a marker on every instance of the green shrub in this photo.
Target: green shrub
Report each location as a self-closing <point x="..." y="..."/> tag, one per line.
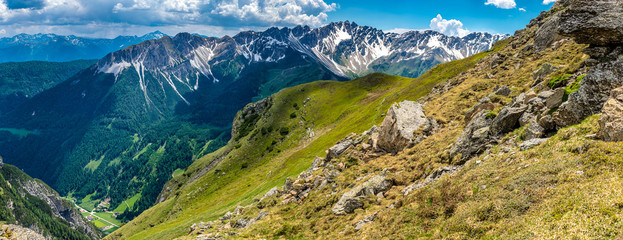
<point x="491" y="115"/>
<point x="558" y="81"/>
<point x="293" y="115"/>
<point x="284" y="131"/>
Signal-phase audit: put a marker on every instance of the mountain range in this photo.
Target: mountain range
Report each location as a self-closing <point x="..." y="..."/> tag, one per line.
<point x="123" y="127"/>
<point x="56" y="48"/>
<point x="522" y="141"/>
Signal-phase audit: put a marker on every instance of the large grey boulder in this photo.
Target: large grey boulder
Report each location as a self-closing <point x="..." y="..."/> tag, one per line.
<point x="595" y="22"/>
<point x="547" y="34"/>
<point x="545" y="70"/>
<point x="600" y="24"/>
<point x="553" y="98"/>
<point x="534" y="130"/>
<point x="339" y="148"/>
<point x="507" y="120"/>
<point x="611" y="122"/>
<point x="351" y="200"/>
<point x="475" y="136"/>
<point x="594" y="91"/>
<point x="484" y="104"/>
<point x="405" y="125"/>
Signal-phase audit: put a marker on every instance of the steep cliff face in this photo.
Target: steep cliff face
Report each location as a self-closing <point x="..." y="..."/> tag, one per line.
<point x="32" y="204"/>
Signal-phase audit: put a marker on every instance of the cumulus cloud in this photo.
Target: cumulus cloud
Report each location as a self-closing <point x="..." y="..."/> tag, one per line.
<point x="546" y="2"/>
<point x="450" y="27"/>
<point x="522" y="9"/>
<point x="165" y="13"/>
<point x="504" y="4"/>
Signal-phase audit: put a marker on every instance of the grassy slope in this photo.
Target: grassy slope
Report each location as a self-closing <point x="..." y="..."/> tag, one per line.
<point x="335" y="110"/>
<point x="567" y="188"/>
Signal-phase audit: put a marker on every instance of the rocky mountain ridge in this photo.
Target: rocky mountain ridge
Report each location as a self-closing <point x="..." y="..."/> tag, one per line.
<point x="33" y="205"/>
<point x="57" y="48"/>
<point x="344" y="48"/>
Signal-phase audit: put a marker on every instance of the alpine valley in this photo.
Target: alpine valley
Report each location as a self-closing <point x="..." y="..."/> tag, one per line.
<point x="110" y="136"/>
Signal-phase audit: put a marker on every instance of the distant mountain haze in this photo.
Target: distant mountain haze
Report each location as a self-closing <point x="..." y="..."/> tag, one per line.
<point x="55" y="48"/>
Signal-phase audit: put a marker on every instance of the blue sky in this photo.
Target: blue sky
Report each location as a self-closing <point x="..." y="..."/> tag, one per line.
<point x="416" y="14"/>
<point x="110" y="18"/>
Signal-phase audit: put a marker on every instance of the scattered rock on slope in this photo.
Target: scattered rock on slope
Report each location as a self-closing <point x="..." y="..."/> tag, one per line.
<point x="351" y="200"/>
<point x="507" y="119"/>
<point x="475" y="136"/>
<point x="405" y="125"/>
<point x="611" y="122"/>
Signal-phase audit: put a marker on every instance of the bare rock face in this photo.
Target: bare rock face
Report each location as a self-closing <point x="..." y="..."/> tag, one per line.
<point x="600" y="24"/>
<point x="484" y="104"/>
<point x="507" y="119"/>
<point x="554" y="98"/>
<point x="11" y="232"/>
<point x="594" y="90"/>
<point x="547" y="34"/>
<point x="611" y="122"/>
<point x="339" y="148"/>
<point x="405" y="125"/>
<point x="351" y="200"/>
<point x="475" y="137"/>
<point x="595" y="22"/>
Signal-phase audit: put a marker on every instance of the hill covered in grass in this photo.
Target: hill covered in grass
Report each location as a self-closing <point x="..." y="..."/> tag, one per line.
<point x="276" y="138"/>
<point x="517" y="153"/>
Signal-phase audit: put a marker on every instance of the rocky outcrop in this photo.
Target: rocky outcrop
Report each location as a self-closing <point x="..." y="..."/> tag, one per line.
<point x="365" y="221"/>
<point x="611" y="122"/>
<point x="483" y="104"/>
<point x="475" y="137"/>
<point x="248" y="116"/>
<point x="60" y="207"/>
<point x="546" y="35"/>
<point x="600" y="24"/>
<point x="405" y="125"/>
<point x="595" y="22"/>
<point x="436" y="175"/>
<point x="351" y="200"/>
<point x="507" y="119"/>
<point x="594" y="90"/>
<point x="14" y="232"/>
<point x="339" y="148"/>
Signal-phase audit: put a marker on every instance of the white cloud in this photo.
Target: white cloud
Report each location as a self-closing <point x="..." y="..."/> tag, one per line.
<point x="504" y="4"/>
<point x="450" y="27"/>
<point x="546" y="2"/>
<point x="2" y="31"/>
<point x="165" y="13"/>
<point x="522" y="9"/>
